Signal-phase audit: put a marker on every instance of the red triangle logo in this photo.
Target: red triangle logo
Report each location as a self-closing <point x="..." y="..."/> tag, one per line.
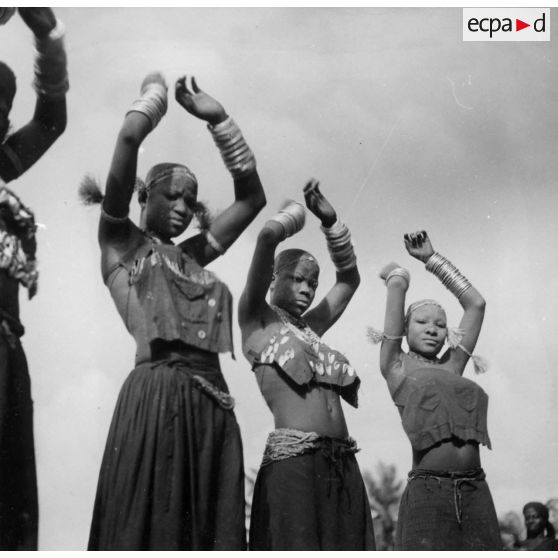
<point x="519" y="25"/>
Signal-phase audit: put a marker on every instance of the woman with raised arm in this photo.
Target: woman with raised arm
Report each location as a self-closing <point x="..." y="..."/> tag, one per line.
<point x="309" y="493"/>
<point x="172" y="474"/>
<point x="447" y="504"/>
<point x="18" y="481"/>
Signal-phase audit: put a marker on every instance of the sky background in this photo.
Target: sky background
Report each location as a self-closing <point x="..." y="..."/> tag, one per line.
<point x="406" y="126"/>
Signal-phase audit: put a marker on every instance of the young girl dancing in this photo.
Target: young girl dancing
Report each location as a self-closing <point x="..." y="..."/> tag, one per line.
<point x="309" y="493"/>
<point x="447" y="504"/>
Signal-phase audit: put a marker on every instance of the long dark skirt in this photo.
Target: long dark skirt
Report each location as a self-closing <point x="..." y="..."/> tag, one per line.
<point x="311" y="502"/>
<point x="441" y="513"/>
<point x="172" y="476"/>
<point x="19" y="513"/>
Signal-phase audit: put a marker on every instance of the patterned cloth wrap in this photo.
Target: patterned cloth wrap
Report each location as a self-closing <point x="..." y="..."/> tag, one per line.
<point x="13" y="258"/>
<point x="304" y="357"/>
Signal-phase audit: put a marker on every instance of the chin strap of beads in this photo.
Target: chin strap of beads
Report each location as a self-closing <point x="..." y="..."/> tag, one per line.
<point x="51" y="75"/>
<point x="236" y="153"/>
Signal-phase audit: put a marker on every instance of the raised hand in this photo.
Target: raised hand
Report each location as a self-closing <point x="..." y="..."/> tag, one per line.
<point x="198" y="102"/>
<point x="40" y="20"/>
<point x="318" y="204"/>
<point x="418" y="245"/>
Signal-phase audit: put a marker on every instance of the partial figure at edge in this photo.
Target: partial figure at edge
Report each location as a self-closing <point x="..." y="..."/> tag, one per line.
<point x="19" y="151"/>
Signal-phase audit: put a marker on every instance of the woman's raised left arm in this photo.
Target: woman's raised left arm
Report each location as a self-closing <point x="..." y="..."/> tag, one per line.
<point x="338" y="237"/>
<point x="419" y="246"/>
<point x="241" y="163"/>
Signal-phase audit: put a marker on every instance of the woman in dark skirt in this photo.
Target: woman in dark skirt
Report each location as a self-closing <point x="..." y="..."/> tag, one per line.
<point x="172" y="474"/>
<point x="447" y="504"/>
<point x="22" y="149"/>
<point x="309" y="493"/>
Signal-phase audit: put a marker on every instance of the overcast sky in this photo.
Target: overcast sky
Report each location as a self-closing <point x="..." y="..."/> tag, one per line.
<point x="406" y="126"/>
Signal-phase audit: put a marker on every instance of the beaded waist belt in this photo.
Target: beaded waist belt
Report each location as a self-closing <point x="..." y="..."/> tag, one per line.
<point x="222" y="398"/>
<point x="284" y="443"/>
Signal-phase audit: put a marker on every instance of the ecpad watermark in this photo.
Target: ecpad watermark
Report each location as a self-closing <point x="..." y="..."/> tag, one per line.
<point x="506" y="24"/>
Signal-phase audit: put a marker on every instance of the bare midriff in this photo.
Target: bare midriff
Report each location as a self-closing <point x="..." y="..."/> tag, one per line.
<point x="450" y="455"/>
<point x="314" y="408"/>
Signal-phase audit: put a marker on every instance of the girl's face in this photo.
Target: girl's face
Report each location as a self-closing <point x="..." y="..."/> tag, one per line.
<point x="427" y="330"/>
<point x="294" y="287"/>
<point x="534" y="522"/>
<point x="170" y="206"/>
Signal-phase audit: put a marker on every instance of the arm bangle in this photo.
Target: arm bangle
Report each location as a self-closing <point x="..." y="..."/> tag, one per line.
<point x="214" y="243"/>
<point x="107" y="217"/>
<point x="448" y="274"/>
<point x="339" y="246"/>
<point x="236" y="154"/>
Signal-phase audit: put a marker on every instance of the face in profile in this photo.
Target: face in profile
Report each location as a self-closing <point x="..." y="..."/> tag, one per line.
<point x="294" y="285"/>
<point x="427" y="330"/>
<point x="534" y="522"/>
<point x="170" y="206"/>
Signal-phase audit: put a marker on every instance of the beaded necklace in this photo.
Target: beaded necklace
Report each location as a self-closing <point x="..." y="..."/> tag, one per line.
<point x="416" y="356"/>
<point x="298" y="326"/>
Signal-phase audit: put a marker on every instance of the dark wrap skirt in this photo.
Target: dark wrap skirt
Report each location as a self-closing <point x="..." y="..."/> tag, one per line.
<point x="19" y="514"/>
<point x="447" y="511"/>
<point x="315" y="501"/>
<point x="172" y="475"/>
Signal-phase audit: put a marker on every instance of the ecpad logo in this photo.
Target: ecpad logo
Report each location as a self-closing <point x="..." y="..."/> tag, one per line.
<point x="506" y="24"/>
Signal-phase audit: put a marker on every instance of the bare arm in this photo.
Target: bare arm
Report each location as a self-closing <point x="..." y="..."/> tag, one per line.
<point x="419" y="246"/>
<point x="27" y="145"/>
<point x="248" y="191"/>
<point x="252" y="303"/>
<point x="394" y="322"/>
<point x="330" y="308"/>
<point x="116" y="232"/>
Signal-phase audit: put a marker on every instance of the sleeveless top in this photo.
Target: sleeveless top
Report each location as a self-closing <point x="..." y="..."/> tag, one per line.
<point x="436" y="404"/>
<point x="179" y="300"/>
<point x="300" y="353"/>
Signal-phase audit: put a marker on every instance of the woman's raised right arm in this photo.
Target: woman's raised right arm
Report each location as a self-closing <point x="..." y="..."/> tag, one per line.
<point x="397" y="282"/>
<point x="144" y="114"/>
<point x="287" y="222"/>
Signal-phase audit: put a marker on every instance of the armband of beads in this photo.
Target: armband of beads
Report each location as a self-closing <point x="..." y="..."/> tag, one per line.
<point x="339" y="246"/>
<point x="448" y="274"/>
<point x="236" y="153"/>
<point x="152" y="102"/>
<point x="51" y="74"/>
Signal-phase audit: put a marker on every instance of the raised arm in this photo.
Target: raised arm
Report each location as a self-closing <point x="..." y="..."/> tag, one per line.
<point x="397" y="281"/>
<point x="419" y="246"/>
<point x="330" y="308"/>
<point x="241" y="163"/>
<point x="145" y="113"/>
<point x="26" y="146"/>
<point x="252" y="302"/>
